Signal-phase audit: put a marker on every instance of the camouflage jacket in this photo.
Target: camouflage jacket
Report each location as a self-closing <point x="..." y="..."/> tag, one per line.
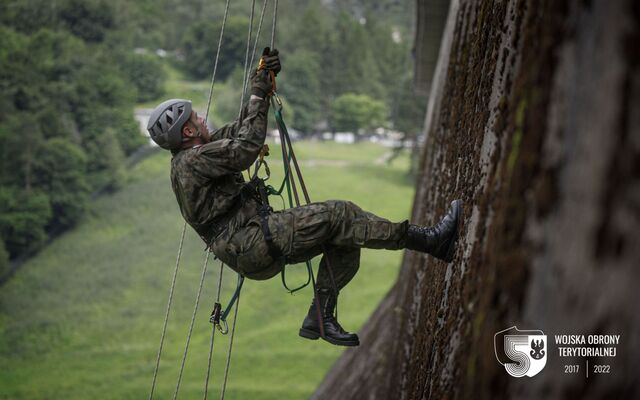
<point x="207" y="179"/>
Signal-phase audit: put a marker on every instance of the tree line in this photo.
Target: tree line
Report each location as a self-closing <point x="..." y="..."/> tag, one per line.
<point x="71" y="72"/>
<point x="341" y="72"/>
<point x="69" y="83"/>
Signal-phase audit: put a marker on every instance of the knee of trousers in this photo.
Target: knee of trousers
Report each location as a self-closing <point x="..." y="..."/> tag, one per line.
<point x="342" y="209"/>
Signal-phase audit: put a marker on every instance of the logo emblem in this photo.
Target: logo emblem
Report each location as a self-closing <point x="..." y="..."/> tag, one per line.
<point x="521" y="352"/>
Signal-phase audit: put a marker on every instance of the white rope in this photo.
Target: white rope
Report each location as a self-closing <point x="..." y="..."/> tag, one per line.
<point x="273" y="24"/>
<point x="204" y="268"/>
<point x="193" y="318"/>
<point x="253" y="53"/>
<point x="184" y="227"/>
<point x="166" y="316"/>
<point x="215" y="64"/>
<point x="246" y="57"/>
<point x="213" y="333"/>
<point x="233" y="331"/>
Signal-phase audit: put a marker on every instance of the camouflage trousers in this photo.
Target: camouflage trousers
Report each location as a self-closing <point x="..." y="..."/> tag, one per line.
<point x="340" y="228"/>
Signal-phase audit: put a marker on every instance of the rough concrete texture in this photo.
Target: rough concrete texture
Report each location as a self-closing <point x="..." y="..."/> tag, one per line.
<point x="537" y="129"/>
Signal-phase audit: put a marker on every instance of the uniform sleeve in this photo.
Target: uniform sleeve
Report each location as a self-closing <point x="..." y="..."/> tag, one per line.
<point x="230" y="131"/>
<point x="235" y="146"/>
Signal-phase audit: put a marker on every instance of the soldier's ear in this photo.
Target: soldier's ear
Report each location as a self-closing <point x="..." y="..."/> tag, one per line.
<point x="186" y="130"/>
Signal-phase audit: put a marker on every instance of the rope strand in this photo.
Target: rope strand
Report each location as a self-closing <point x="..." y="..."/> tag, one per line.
<point x="246" y="57"/>
<point x="213" y="333"/>
<point x="273" y="24"/>
<point x="233" y="331"/>
<point x="255" y="46"/>
<point x="193" y="319"/>
<point x="215" y="64"/>
<point x="166" y="316"/>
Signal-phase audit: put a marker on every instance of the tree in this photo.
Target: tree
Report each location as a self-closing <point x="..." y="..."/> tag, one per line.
<point x="106" y="167"/>
<point x="199" y="47"/>
<point x="4" y="259"/>
<point x="146" y="73"/>
<point x="88" y="19"/>
<point x="301" y="88"/>
<point x="60" y="171"/>
<point x="65" y="111"/>
<point x="23" y="218"/>
<point x="352" y="63"/>
<point x="354" y="112"/>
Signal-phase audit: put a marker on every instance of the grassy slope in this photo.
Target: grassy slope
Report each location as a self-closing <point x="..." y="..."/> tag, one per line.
<point x="83" y="318"/>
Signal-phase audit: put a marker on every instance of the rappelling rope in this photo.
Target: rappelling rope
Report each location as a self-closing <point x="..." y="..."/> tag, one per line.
<point x="236" y="297"/>
<point x="166" y="316"/>
<point x="273" y="23"/>
<point x="213" y="327"/>
<point x="193" y="319"/>
<point x="233" y="331"/>
<point x="215" y="63"/>
<point x="246" y="57"/>
<point x="184" y="228"/>
<point x="253" y="52"/>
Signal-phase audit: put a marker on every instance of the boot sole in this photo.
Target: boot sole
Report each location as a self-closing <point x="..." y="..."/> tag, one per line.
<point x="313" y="335"/>
<point x="307" y="334"/>
<point x="457" y="210"/>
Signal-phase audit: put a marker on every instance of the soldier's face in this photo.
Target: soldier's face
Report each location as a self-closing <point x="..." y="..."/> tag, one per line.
<point x="199" y="128"/>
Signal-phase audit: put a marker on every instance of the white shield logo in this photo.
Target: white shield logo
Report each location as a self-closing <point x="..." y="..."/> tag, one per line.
<point x="521" y="352"/>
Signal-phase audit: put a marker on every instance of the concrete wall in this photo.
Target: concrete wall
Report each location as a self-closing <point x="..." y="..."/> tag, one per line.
<point x="536" y="128"/>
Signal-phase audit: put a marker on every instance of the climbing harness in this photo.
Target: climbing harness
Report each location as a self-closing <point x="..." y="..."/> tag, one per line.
<point x="259" y="191"/>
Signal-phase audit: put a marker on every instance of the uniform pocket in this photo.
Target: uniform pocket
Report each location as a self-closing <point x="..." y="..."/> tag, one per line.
<point x="371" y="233"/>
<point x="359" y="233"/>
<point x="252" y="251"/>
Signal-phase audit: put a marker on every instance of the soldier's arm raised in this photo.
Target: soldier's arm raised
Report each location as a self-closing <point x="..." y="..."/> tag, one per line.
<point x="236" y="152"/>
<point x="261" y="87"/>
<point x="231" y="130"/>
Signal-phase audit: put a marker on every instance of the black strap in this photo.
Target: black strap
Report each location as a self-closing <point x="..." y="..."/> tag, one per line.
<point x="264" y="209"/>
<point x="254" y="189"/>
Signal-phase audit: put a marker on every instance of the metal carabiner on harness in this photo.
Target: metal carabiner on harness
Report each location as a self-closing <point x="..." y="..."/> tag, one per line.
<point x="215" y="319"/>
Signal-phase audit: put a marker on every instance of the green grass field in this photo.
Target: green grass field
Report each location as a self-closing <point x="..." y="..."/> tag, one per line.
<point x="82" y="319"/>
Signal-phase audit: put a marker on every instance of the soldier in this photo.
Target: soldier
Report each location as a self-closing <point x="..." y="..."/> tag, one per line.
<point x="225" y="210"/>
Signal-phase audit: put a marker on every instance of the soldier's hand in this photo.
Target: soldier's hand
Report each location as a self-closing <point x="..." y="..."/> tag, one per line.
<point x="272" y="60"/>
<point x="261" y="84"/>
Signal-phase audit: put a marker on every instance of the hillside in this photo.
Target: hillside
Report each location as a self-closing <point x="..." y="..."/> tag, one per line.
<point x="82" y="319"/>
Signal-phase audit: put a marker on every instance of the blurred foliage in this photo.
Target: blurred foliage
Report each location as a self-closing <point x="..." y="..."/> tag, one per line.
<point x="198" y="57"/>
<point x="357" y="112"/>
<point x="4" y="259"/>
<point x="66" y="120"/>
<point x="327" y="48"/>
<point x="59" y="170"/>
<point x="23" y="217"/>
<point x="146" y="73"/>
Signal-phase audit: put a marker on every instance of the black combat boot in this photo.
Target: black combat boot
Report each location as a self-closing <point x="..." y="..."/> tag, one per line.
<point x="439" y="240"/>
<point x="333" y="332"/>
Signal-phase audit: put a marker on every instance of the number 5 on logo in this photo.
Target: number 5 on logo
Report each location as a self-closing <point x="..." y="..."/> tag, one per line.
<point x="521" y="352"/>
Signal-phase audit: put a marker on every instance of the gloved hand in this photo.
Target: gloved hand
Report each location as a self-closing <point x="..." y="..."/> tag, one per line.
<point x="261" y="84"/>
<point x="272" y="60"/>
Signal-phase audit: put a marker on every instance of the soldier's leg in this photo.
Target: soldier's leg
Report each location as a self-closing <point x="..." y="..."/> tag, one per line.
<point x="302" y="231"/>
<point x="340" y="228"/>
<point x="344" y="263"/>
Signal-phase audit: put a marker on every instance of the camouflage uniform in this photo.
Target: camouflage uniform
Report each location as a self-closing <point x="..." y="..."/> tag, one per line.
<point x="206" y="180"/>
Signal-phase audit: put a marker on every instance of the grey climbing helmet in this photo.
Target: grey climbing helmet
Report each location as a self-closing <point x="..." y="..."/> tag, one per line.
<point x="166" y="121"/>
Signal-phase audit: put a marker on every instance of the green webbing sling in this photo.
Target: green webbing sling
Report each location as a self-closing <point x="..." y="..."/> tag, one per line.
<point x="286" y="182"/>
